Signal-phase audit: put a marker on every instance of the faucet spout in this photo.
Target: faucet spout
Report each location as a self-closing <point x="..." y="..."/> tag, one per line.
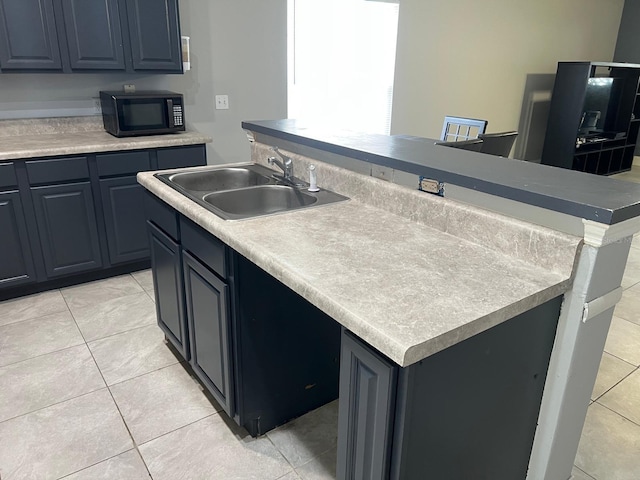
<point x="286" y="165"/>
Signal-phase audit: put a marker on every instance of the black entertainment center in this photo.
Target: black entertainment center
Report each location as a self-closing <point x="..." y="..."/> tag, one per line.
<point x="594" y="117"/>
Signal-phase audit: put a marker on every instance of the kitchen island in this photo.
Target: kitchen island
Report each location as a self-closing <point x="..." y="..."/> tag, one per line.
<point x="438" y="302"/>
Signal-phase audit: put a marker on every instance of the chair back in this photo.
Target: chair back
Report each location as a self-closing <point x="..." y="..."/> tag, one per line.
<point x="475" y="144"/>
<point x="459" y="128"/>
<point x="498" y="143"/>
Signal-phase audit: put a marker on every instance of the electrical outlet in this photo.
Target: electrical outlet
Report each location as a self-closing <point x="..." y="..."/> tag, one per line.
<point x="222" y="102"/>
<point x="383" y="173"/>
<point x="97" y="107"/>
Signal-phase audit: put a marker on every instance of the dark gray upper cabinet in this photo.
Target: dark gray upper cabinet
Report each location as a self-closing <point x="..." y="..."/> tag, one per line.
<point x="28" y="36"/>
<point x="154" y="29"/>
<point x="93" y="34"/>
<point x="90" y="35"/>
<point x="16" y="267"/>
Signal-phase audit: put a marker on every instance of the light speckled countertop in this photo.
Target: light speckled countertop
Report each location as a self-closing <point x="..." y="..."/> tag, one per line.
<point x="406" y="287"/>
<point x="77" y="135"/>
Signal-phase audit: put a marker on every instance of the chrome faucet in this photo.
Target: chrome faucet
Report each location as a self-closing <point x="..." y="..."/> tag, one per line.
<point x="286" y="165"/>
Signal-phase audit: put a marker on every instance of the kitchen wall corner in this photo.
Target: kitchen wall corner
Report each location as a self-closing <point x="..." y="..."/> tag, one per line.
<point x="238" y="49"/>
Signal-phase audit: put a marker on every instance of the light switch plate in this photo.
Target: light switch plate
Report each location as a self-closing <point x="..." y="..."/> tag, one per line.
<point x="222" y="102"/>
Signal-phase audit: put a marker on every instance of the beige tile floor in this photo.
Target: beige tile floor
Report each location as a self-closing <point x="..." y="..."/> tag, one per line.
<point x="88" y="390"/>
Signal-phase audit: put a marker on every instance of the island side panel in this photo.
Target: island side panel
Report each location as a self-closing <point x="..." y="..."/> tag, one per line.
<point x="287" y="351"/>
<point x="576" y="358"/>
<point x="471" y="411"/>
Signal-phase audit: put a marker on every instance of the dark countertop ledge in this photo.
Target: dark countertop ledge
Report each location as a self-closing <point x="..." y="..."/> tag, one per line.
<point x="592" y="197"/>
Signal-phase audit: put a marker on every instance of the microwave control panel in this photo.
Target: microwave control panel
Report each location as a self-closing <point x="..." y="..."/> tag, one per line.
<point x="177" y="115"/>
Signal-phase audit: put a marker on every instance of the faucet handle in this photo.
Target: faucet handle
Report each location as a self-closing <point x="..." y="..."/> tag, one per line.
<point x="287" y="160"/>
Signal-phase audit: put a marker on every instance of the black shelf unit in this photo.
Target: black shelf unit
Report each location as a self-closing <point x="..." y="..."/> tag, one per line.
<point x="594" y="118"/>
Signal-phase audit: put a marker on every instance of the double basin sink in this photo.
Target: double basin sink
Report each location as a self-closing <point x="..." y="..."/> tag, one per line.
<point x="246" y="191"/>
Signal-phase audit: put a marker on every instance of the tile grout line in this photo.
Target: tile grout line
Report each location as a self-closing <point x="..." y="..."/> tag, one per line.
<point x="176" y="429"/>
<point x="43" y="354"/>
<point x="54" y="404"/>
<point x="92" y="465"/>
<point x="617" y="383"/>
<point x="582" y="471"/>
<point x="316" y="457"/>
<point x="282" y="454"/>
<point x="115" y="334"/>
<point x="35" y="317"/>
<point x="133" y="441"/>
<point x="120" y="382"/>
<point x="617" y="413"/>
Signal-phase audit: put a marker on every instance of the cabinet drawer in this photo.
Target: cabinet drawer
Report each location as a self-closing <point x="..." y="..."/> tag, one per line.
<point x="181" y="157"/>
<point x="162" y="215"/>
<point x="125" y="163"/>
<point x="204" y="245"/>
<point x="57" y="170"/>
<point x="7" y="175"/>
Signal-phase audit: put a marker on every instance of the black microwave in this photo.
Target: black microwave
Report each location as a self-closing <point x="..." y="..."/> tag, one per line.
<point x="142" y="113"/>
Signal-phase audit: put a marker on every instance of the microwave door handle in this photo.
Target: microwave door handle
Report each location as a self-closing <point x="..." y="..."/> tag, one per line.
<point x="172" y="123"/>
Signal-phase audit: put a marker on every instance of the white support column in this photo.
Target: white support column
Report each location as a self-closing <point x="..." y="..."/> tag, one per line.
<point x="582" y="331"/>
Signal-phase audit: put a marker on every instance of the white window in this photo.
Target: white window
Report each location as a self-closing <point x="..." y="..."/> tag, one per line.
<point x="341" y="61"/>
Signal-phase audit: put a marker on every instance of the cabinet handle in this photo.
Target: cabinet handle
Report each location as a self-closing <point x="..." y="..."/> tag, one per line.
<point x="170" y="113"/>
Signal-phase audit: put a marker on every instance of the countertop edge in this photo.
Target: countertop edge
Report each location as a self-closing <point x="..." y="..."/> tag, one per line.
<point x="403" y="355"/>
<point x="100" y="144"/>
<point x="544" y="186"/>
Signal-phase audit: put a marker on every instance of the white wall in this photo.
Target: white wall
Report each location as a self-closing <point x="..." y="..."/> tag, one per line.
<point x="27" y="95"/>
<point x="473" y="58"/>
<point x="238" y="48"/>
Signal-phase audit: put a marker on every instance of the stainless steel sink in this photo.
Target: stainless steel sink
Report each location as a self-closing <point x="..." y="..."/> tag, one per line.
<point x="236" y="193"/>
<point x="263" y="200"/>
<point x="227" y="178"/>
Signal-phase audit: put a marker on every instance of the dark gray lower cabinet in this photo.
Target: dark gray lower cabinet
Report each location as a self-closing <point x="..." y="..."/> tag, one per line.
<point x="166" y="266"/>
<point x="16" y="267"/>
<point x="67" y="227"/>
<point x="207" y="302"/>
<point x="367" y="400"/>
<point x="122" y="200"/>
<point x="77" y="218"/>
<point x="244" y="326"/>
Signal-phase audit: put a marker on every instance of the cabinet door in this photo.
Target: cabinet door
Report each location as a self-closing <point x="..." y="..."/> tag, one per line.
<point x="16" y="264"/>
<point x="93" y="34"/>
<point x="367" y="395"/>
<point x="166" y="267"/>
<point x="28" y="36"/>
<point x="154" y="29"/>
<point x="125" y="220"/>
<point x="178" y="157"/>
<point x="206" y="299"/>
<point x="67" y="225"/>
